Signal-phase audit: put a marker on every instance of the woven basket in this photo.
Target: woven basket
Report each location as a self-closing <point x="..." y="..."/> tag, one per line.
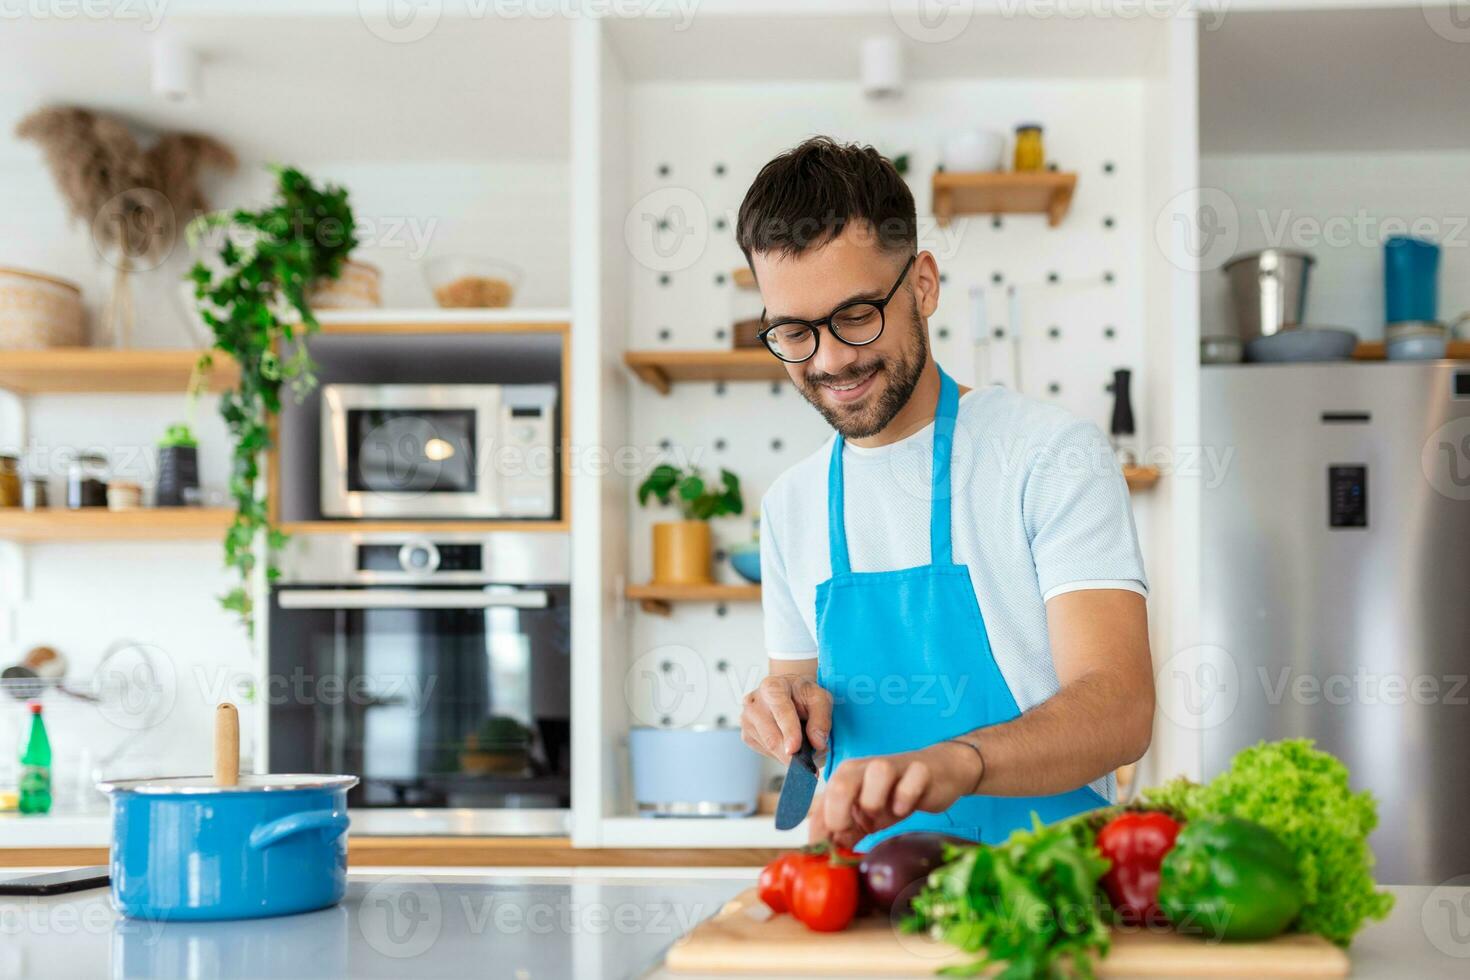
<point x="39" y="311"/>
<point x="358" y="288"/>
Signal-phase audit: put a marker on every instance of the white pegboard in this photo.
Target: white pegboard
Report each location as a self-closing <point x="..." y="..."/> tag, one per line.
<point x="1079" y="287"/>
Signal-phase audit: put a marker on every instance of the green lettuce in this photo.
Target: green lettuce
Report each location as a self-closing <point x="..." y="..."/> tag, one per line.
<point x="1302" y="794"/>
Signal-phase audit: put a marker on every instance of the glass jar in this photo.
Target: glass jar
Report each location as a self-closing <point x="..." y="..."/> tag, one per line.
<point x="86" y="481"/>
<point x="35" y="494"/>
<point x="1030" y="153"/>
<point x="9" y="481"/>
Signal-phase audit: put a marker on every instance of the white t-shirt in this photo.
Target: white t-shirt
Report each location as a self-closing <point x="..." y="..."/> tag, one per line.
<point x="1040" y="507"/>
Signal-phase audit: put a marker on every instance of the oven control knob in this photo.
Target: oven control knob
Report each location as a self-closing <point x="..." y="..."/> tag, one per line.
<point x="420" y="557"/>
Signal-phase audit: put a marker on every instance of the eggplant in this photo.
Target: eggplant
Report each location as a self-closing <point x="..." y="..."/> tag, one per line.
<point x="893" y="871"/>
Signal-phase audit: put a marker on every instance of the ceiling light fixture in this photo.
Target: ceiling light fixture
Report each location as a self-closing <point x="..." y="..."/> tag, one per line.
<point x="175" y="71"/>
<point x="882" y="67"/>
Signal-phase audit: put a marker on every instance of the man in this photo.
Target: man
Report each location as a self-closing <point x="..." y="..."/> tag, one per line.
<point x="952" y="587"/>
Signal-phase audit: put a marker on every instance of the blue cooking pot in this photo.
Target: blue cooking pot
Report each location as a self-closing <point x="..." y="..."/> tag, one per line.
<point x="186" y="849"/>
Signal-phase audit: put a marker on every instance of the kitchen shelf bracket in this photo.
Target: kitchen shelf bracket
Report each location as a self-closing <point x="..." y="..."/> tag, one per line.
<point x="656" y="607"/>
<point x="655" y="377"/>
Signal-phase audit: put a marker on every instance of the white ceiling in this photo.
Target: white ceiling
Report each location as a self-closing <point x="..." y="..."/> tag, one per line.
<point x="1361" y="80"/>
<point x="306" y="89"/>
<point x="759" y="44"/>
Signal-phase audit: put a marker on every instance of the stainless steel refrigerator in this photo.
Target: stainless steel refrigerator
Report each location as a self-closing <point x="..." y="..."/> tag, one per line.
<point x="1336" y="581"/>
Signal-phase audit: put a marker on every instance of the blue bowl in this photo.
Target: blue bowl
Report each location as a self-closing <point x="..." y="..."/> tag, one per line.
<point x="747" y="563"/>
<point x="184" y="849"/>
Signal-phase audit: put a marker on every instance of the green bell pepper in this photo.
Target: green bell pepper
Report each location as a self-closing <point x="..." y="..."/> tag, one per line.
<point x="1230" y="879"/>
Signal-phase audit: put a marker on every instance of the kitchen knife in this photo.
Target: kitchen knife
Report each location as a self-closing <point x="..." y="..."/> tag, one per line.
<point x="799" y="787"/>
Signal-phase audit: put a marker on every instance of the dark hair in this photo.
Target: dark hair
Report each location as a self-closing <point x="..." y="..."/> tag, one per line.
<point x="808" y="195"/>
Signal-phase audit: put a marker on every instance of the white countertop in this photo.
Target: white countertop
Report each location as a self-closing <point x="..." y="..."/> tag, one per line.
<point x="578" y="923"/>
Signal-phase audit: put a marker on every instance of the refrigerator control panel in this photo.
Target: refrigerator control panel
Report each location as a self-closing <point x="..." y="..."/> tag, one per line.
<point x="1347" y="496"/>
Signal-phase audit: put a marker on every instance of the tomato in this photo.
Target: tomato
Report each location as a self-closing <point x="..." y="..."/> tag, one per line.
<point x="824" y="893"/>
<point x="770" y="888"/>
<point x="790" y="863"/>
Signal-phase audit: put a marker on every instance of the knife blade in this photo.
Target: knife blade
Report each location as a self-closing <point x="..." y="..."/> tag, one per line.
<point x="799" y="787"/>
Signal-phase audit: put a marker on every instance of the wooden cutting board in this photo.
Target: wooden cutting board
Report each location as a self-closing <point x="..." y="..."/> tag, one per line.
<point x="744" y="937"/>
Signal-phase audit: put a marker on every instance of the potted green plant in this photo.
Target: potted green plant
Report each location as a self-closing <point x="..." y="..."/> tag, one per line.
<point x="178" y="465"/>
<point x="253" y="296"/>
<point x="178" y="451"/>
<point x="681" y="549"/>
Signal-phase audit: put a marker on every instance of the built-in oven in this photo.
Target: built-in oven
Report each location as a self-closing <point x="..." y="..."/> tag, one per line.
<point x="438" y="451"/>
<point x="437" y="669"/>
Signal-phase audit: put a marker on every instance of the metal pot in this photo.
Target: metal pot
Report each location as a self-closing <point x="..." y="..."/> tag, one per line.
<point x="1269" y="288"/>
<point x="186" y="849"/>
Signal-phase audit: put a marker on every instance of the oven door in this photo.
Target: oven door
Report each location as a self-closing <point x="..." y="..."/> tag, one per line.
<point x="409" y="451"/>
<point x="437" y="697"/>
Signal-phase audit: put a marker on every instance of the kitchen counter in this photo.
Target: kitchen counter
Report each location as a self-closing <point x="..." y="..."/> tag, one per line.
<point x="443" y="839"/>
<point x="91" y="826"/>
<point x="580" y="923"/>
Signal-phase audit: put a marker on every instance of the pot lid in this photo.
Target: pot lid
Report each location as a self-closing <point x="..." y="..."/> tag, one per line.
<point x="249" y="783"/>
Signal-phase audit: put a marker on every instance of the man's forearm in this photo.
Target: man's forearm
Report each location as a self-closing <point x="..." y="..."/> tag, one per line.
<point x="1090" y="727"/>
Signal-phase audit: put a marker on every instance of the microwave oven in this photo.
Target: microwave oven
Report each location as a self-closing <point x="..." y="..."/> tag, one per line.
<point x="439" y="451"/>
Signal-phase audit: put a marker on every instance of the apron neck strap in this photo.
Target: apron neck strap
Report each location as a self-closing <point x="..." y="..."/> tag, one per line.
<point x="941" y="551"/>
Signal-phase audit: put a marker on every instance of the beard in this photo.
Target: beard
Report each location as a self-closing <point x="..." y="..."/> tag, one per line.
<point x="899" y="375"/>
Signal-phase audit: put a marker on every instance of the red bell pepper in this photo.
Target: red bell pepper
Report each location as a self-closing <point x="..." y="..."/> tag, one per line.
<point x="1136" y="843"/>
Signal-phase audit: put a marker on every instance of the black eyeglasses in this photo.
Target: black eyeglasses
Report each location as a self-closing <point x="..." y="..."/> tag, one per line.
<point x="856" y="324"/>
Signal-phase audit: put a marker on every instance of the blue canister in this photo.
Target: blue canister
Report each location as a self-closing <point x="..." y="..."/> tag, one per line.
<point x="699" y="771"/>
<point x="1410" y="280"/>
<point x="186" y="849"/>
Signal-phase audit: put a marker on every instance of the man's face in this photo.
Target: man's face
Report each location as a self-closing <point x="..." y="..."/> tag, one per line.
<point x="857" y="389"/>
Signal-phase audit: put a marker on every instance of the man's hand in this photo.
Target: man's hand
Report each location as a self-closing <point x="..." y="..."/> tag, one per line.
<point x="865" y="795"/>
<point x="773" y="714"/>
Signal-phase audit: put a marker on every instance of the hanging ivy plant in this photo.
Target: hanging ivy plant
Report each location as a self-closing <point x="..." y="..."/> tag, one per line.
<point x="253" y="295"/>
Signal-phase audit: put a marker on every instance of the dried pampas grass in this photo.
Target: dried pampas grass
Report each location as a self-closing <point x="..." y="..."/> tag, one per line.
<point x="134" y="199"/>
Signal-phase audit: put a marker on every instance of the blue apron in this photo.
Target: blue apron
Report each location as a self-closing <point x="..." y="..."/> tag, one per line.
<point x="906" y="659"/>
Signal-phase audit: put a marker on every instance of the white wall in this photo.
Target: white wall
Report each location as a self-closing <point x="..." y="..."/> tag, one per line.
<point x="81" y="597"/>
<point x="693" y="127"/>
<point x="1341" y="207"/>
<point x="515" y="212"/>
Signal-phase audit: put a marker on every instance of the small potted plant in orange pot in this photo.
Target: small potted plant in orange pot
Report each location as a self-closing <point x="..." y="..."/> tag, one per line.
<point x="681" y="549"/>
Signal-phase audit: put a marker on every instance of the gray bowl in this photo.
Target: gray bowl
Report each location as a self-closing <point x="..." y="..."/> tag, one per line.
<point x="1303" y="344"/>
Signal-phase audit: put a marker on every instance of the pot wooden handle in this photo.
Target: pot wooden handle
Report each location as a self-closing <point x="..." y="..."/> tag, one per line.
<point x="226" y="745"/>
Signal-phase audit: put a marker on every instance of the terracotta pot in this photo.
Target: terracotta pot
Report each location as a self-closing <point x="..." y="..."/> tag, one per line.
<point x="681" y="553"/>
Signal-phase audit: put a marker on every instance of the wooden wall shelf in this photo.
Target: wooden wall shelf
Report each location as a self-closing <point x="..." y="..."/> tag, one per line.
<point x="1377" y="350"/>
<point x="662" y="369"/>
<point x="659" y="599"/>
<point x="1141" y="477"/>
<point x="507" y="320"/>
<point x="422" y="527"/>
<point x="100" y="524"/>
<point x="461" y="852"/>
<point x="98" y="370"/>
<point x="1048" y="193"/>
